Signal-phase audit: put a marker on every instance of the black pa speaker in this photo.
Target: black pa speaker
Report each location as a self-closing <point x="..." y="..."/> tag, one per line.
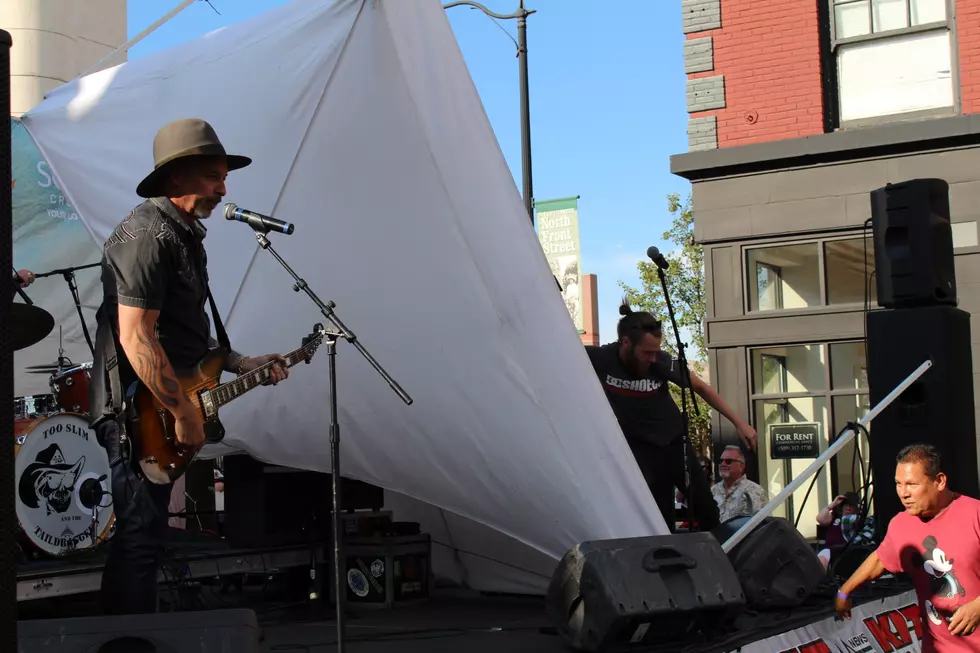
<point x="271" y="505"/>
<point x="776" y="566"/>
<point x="616" y="594"/>
<point x="937" y="409"/>
<point x="913" y="244"/>
<point x="170" y="632"/>
<point x="9" y="552"/>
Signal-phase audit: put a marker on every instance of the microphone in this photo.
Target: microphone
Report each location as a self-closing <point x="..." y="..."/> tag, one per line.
<point x="657" y="258"/>
<point x="91" y="492"/>
<point x="257" y="221"/>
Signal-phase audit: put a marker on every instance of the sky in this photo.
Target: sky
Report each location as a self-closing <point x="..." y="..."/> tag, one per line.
<point x="606" y="102"/>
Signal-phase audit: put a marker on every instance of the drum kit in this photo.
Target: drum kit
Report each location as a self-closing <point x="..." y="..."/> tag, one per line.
<point x="62" y="477"/>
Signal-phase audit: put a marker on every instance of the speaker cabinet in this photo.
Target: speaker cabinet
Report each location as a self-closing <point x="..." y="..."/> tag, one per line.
<point x="269" y="505"/>
<point x="776" y="566"/>
<point x="913" y="244"/>
<point x="938" y="409"/>
<point x="171" y="632"/>
<point x="616" y="594"/>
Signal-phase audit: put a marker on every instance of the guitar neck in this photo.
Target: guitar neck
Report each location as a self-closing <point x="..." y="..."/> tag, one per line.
<point x="228" y="392"/>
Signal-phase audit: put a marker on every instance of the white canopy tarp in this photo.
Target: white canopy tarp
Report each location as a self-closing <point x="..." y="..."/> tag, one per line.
<point x="368" y="133"/>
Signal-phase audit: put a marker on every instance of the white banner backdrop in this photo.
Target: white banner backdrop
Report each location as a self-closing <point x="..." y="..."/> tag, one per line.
<point x="890" y="625"/>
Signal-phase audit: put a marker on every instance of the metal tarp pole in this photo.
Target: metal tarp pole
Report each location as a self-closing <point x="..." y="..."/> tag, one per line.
<point x="831" y="451"/>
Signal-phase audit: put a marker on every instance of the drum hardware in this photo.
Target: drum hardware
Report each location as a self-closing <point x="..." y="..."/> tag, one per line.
<point x="32" y="406"/>
<point x="69" y="275"/>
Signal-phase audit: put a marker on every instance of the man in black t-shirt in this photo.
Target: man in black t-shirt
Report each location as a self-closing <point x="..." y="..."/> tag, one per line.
<point x="634" y="372"/>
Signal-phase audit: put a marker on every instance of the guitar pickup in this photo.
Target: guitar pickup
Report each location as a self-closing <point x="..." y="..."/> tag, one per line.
<point x="207" y="404"/>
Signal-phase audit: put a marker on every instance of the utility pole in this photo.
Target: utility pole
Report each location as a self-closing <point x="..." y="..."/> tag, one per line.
<point x="521" y="15"/>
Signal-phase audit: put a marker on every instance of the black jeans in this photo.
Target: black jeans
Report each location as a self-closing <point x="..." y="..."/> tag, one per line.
<point x="663" y="469"/>
<point x="129" y="581"/>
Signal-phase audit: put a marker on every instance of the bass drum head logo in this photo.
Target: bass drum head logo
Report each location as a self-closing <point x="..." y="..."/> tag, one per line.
<point x="59" y="470"/>
<point x="358" y="582"/>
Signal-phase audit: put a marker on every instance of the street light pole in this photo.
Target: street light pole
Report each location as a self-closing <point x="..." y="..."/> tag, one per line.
<point x="521" y="15"/>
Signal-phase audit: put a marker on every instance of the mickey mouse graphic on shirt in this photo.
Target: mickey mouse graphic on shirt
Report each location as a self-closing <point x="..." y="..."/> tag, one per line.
<point x="943" y="579"/>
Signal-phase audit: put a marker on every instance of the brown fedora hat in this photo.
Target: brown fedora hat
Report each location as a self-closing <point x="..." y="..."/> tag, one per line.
<point x="184" y="138"/>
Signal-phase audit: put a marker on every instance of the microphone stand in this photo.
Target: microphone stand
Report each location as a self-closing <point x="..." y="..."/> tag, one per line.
<point x="69" y="275"/>
<point x="685" y="388"/>
<point x="330" y="338"/>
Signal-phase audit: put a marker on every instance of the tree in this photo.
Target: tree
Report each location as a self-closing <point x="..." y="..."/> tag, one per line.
<point x="685" y="283"/>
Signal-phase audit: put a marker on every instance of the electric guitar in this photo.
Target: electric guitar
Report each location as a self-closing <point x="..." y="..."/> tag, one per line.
<point x="162" y="458"/>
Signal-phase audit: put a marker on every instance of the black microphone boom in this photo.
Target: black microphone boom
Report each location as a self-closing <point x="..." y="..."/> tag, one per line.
<point x="257" y="221"/>
<point x="657" y="258"/>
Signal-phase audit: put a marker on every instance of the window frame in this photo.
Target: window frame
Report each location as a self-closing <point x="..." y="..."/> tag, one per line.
<point x="820" y="242"/>
<point x="949" y="25"/>
<point x="828" y="393"/>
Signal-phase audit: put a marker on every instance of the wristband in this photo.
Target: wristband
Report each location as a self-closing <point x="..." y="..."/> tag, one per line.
<point x="843" y="596"/>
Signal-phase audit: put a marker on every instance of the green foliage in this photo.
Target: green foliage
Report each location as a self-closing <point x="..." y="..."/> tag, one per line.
<point x="685" y="283"/>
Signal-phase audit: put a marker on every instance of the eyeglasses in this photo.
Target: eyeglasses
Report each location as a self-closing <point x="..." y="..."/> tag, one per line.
<point x="729" y="461"/>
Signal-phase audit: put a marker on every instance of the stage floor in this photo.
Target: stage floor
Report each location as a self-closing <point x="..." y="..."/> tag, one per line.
<point x="450" y="622"/>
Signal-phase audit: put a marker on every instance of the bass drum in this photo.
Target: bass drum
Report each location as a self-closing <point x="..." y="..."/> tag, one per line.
<point x="61" y="480"/>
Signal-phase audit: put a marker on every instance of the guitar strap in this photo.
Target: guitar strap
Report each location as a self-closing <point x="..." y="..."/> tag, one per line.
<point x="219" y="328"/>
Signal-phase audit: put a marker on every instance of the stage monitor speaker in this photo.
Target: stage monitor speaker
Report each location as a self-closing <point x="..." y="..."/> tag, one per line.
<point x="913" y="244"/>
<point x="616" y="594"/>
<point x="776" y="566"/>
<point x="938" y="409"/>
<point x="170" y="632"/>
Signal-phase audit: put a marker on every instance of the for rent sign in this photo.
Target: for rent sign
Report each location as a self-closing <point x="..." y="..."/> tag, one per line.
<point x="801" y="440"/>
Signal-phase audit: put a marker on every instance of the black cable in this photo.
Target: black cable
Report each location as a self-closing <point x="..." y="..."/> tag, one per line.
<point x="855" y="426"/>
<point x="489" y="559"/>
<point x="865" y="501"/>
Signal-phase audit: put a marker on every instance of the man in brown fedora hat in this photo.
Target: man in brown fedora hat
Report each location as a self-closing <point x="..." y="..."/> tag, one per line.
<point x="155" y="285"/>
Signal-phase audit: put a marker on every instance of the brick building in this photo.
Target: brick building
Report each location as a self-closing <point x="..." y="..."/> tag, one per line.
<point x="798" y="109"/>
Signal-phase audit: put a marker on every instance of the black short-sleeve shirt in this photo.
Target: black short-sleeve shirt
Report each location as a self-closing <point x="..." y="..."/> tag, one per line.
<point x="155" y="259"/>
<point x="643" y="406"/>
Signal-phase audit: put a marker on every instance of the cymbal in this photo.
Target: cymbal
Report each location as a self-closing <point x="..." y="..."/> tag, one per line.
<point x="29" y="325"/>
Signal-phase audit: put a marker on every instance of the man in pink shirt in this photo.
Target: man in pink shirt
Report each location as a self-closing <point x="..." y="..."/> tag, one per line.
<point x="936" y="541"/>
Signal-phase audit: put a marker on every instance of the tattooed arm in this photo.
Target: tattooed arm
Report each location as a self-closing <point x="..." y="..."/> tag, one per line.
<point x="137" y="335"/>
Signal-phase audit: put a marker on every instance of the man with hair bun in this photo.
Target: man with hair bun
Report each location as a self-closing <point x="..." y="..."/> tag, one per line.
<point x="634" y="372"/>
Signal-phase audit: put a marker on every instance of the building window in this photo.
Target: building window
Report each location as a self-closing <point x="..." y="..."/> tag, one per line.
<point x="823" y="384"/>
<point x="849" y="264"/>
<point x="810" y="275"/>
<point x="786" y="277"/>
<point x="893" y="58"/>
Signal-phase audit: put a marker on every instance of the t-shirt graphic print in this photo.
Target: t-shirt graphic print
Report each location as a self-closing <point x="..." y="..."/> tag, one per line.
<point x="644" y="407"/>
